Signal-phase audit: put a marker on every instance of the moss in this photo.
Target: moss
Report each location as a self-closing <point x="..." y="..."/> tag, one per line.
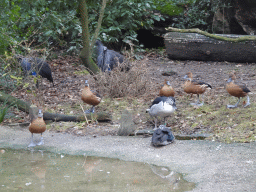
<point x="194" y="125"/>
<point x="83" y="72"/>
<point x="214" y="36"/>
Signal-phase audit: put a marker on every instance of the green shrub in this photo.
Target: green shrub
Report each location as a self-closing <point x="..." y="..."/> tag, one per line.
<point x="197" y="14"/>
<point x="57" y="23"/>
<point x="3" y="111"/>
<point x="123" y="18"/>
<point x="168" y="7"/>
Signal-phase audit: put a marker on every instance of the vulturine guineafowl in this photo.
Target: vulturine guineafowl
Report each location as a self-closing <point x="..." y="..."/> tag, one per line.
<point x="108" y="59"/>
<point x="34" y="66"/>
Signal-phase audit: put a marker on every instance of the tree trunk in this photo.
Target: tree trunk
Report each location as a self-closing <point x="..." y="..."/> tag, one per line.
<point x="10" y="100"/>
<point x="97" y="30"/>
<point x="85" y="53"/>
<point x="194" y="46"/>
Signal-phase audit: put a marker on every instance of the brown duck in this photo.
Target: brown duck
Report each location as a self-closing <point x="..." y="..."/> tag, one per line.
<point x="90" y="98"/>
<point x="195" y="87"/>
<point x="237" y="91"/>
<point x="167" y="90"/>
<point x="37" y="126"/>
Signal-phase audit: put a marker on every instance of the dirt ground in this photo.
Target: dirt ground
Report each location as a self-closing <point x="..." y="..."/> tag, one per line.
<point x="69" y="78"/>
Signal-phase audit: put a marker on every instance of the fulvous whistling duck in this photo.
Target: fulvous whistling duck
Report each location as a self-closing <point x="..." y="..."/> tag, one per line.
<point x="194" y="87"/>
<point x="37" y="126"/>
<point x="167" y="90"/>
<point x="237" y="90"/>
<point x="162" y="107"/>
<point x="90" y="98"/>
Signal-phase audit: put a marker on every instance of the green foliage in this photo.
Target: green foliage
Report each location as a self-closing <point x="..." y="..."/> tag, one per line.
<point x="3" y="110"/>
<point x="168" y="7"/>
<point x="6" y="82"/>
<point x="123" y="18"/>
<point x="6" y="22"/>
<point x="43" y="22"/>
<point x="197" y="14"/>
<point x="57" y="23"/>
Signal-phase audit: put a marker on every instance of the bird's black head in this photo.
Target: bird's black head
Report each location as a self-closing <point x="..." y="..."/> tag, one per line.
<point x="18" y="57"/>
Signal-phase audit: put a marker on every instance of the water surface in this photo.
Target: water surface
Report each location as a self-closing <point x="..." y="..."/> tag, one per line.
<point x="35" y="170"/>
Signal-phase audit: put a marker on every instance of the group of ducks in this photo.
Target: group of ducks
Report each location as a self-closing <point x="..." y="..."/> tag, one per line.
<point x="163" y="106"/>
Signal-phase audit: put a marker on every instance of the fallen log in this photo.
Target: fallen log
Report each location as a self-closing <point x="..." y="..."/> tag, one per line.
<point x="10" y="100"/>
<point x="26" y="107"/>
<point x="100" y="116"/>
<point x="178" y="137"/>
<point x="239" y="38"/>
<point x="197" y="45"/>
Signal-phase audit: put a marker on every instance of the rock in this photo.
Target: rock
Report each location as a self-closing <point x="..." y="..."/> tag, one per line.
<point x="127" y="126"/>
<point x="162" y="137"/>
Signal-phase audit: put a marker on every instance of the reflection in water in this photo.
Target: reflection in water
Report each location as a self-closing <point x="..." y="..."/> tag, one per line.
<point x="44" y="171"/>
<point x="38" y="167"/>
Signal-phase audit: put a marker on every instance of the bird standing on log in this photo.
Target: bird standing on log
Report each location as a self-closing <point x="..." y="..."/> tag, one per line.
<point x="167" y="90"/>
<point x="37" y="126"/>
<point x="90" y="98"/>
<point x="195" y="87"/>
<point x="162" y="107"/>
<point x="237" y="91"/>
<point x="35" y="66"/>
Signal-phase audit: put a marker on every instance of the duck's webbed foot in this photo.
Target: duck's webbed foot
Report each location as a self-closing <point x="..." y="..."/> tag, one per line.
<point x="198" y="102"/>
<point x="233" y="106"/>
<point x="32" y="144"/>
<point x="41" y="142"/>
<point x="248" y="102"/>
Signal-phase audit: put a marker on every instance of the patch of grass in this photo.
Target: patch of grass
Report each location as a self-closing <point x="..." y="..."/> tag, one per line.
<point x="3" y="111"/>
<point x="117" y="105"/>
<point x="82" y="72"/>
<point x="226" y="125"/>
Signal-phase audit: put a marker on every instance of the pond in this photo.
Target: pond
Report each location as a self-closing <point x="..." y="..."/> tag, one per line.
<point x="37" y="170"/>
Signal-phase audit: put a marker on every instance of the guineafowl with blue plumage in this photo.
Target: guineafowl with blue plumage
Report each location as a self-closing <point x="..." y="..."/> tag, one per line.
<point x="108" y="59"/>
<point x="34" y="65"/>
